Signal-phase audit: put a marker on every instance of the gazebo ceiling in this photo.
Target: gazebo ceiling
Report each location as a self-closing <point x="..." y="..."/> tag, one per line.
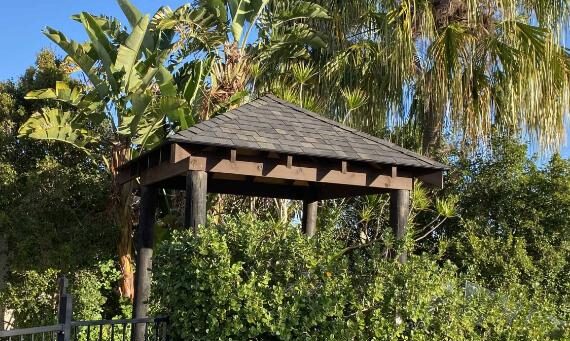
<point x="269" y="147"/>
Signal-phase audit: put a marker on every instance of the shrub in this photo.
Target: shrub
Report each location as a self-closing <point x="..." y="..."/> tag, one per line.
<point x="257" y="280"/>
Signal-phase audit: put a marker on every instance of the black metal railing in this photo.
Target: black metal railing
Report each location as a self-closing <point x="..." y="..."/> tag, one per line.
<point x="137" y="329"/>
<point x="35" y="334"/>
<point x="154" y="329"/>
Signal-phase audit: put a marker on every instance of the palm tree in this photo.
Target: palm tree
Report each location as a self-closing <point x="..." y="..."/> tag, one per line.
<point x="461" y="67"/>
<point x="128" y="88"/>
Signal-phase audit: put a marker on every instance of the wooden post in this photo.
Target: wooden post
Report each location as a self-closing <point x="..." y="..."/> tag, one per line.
<point x="196" y="199"/>
<point x="399" y="211"/>
<point x="65" y="311"/>
<point x="310" y="216"/>
<point x="145" y="243"/>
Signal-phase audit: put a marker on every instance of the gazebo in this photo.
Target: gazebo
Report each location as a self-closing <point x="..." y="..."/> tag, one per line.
<point x="271" y="148"/>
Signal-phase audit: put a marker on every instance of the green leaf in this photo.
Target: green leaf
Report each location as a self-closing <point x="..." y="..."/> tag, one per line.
<point x="57" y="125"/>
<point x="166" y="82"/>
<point x="173" y="108"/>
<point x="198" y="72"/>
<point x="81" y="55"/>
<point x="239" y="11"/>
<point x="301" y="10"/>
<point x="131" y="12"/>
<point x="105" y="50"/>
<point x="129" y="52"/>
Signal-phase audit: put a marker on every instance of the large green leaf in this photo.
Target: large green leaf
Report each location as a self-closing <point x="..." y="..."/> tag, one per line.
<point x="172" y="107"/>
<point x="62" y="92"/>
<point x="195" y="79"/>
<point x="88" y="102"/>
<point x="110" y="25"/>
<point x="239" y="10"/>
<point x="131" y="12"/>
<point x="134" y="16"/>
<point x="166" y="82"/>
<point x="255" y="10"/>
<point x="105" y="50"/>
<point x="129" y="52"/>
<point x="58" y="125"/>
<point x="300" y="10"/>
<point x="217" y="8"/>
<point x="81" y="56"/>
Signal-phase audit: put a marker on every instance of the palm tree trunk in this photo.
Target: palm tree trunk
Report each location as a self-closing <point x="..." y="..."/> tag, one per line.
<point x="123" y="216"/>
<point x="430" y="136"/>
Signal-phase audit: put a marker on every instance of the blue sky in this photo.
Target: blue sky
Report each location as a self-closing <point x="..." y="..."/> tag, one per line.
<point x="23" y="21"/>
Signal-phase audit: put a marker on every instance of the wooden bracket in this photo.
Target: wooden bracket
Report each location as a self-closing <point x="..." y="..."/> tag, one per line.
<point x="289" y="161"/>
<point x="233" y="156"/>
<point x="344" y="167"/>
<point x="178" y="153"/>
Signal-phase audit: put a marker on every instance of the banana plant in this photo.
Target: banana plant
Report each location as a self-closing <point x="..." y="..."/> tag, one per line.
<point x="128" y="76"/>
<point x="129" y="88"/>
<point x="281" y="34"/>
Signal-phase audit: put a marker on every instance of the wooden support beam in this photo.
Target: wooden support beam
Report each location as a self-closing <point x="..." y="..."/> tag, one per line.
<point x="144" y="245"/>
<point x="164" y="171"/>
<point x="310" y="216"/>
<point x="253" y="188"/>
<point x="178" y="153"/>
<point x="308" y="172"/>
<point x="196" y="199"/>
<point x="399" y="211"/>
<point x="433" y="179"/>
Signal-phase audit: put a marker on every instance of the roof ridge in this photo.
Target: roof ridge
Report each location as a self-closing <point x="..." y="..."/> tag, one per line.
<point x="357" y="132"/>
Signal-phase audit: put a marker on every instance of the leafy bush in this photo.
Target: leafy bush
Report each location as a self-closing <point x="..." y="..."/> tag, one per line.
<point x="256" y="280"/>
<point x="33" y="295"/>
<point x="515" y="219"/>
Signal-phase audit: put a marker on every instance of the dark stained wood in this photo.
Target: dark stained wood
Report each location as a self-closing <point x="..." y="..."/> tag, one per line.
<point x="310" y="216"/>
<point x="256" y="189"/>
<point x="196" y="199"/>
<point x="433" y="179"/>
<point x="164" y="171"/>
<point x="399" y="211"/>
<point x="178" y="153"/>
<point x="304" y="172"/>
<point x="144" y="244"/>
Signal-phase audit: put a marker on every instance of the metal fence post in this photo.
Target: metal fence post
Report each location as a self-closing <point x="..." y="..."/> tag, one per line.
<point x="65" y="312"/>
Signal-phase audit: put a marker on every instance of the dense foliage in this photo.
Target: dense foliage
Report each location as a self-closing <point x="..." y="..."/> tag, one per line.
<point x="52" y="206"/>
<point x="515" y="217"/>
<point x="251" y="279"/>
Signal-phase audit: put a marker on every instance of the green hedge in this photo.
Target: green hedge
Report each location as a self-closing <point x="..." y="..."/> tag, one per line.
<point x="257" y="280"/>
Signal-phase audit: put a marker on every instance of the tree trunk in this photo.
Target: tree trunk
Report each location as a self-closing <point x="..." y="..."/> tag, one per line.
<point x="430" y="138"/>
<point x="123" y="216"/>
<point x="431" y="129"/>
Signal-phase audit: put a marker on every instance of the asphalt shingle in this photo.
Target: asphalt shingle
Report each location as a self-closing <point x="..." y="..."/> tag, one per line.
<point x="272" y="124"/>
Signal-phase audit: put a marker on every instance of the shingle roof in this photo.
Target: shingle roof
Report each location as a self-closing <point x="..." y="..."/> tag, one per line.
<point x="272" y="124"/>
